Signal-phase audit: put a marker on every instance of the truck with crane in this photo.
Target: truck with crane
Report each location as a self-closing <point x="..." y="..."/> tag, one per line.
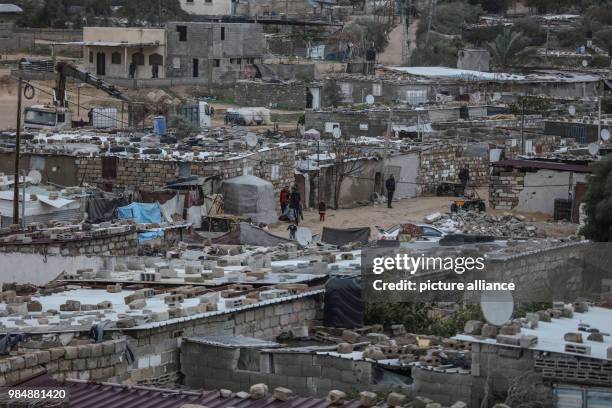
<point x="58" y="116"/>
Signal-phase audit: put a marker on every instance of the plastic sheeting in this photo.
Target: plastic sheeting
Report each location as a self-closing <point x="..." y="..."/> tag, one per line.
<point x="143" y="213"/>
<point x="339" y="237"/>
<point x="103" y="209"/>
<point x="149" y="235"/>
<point x="250" y="196"/>
<point x="343" y="303"/>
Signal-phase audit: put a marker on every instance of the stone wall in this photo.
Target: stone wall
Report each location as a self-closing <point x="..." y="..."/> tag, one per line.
<point x="442" y="164"/>
<point x="114" y="245"/>
<point x="24" y="39"/>
<point x="150" y="174"/>
<point x="303" y="373"/>
<point x="157" y="350"/>
<point x="103" y="361"/>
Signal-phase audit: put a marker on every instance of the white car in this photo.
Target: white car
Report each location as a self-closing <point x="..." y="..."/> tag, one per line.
<point x="428" y="233"/>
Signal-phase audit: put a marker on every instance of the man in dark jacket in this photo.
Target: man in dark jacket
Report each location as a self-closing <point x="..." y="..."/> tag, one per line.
<point x="295" y="203"/>
<point x="390" y="186"/>
<point x="464" y="176"/>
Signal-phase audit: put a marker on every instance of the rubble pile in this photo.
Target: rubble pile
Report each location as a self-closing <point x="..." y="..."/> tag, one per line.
<point x="479" y="223"/>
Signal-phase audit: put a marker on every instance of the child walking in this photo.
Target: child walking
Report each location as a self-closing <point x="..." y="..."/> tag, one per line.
<point x="322" y="209"/>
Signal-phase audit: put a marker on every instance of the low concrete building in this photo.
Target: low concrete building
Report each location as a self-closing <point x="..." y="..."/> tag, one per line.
<point x="538" y="186"/>
<point x="110" y="51"/>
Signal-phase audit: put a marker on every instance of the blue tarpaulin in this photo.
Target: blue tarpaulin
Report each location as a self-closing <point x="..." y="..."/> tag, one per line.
<point x="142" y="213"/>
<point x="149" y="235"/>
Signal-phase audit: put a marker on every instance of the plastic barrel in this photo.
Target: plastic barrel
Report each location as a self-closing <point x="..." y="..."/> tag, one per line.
<point x="159" y="125"/>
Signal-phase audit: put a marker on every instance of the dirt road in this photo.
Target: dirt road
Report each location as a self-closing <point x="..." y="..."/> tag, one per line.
<point x="405" y="210"/>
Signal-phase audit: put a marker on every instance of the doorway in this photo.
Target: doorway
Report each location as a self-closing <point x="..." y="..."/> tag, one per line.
<point x="196" y="67"/>
<point x="100" y="63"/>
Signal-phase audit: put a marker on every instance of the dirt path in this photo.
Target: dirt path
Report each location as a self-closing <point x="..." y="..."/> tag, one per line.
<point x="405" y="210"/>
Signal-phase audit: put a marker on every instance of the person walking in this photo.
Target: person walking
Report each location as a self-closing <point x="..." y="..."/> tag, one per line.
<point x="132" y="69"/>
<point x="295" y="203"/>
<point x="284" y="199"/>
<point x="390" y="186"/>
<point x="155" y="71"/>
<point x="464" y="177"/>
<point x="322" y="208"/>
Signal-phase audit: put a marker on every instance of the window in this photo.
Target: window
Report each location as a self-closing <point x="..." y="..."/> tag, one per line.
<point x="109" y="167"/>
<point x="182" y="32"/>
<point x="329" y="126"/>
<point x="176" y="62"/>
<point x="156" y="59"/>
<point x="138" y="58"/>
<point x="237" y="61"/>
<point x="216" y="63"/>
<point x="222" y="33"/>
<point x="116" y="58"/>
<point x="208" y="1"/>
<point x="189" y="1"/>
<point x="430" y="232"/>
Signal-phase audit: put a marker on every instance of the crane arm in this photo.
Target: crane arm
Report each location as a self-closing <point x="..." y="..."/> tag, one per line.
<point x="66" y="69"/>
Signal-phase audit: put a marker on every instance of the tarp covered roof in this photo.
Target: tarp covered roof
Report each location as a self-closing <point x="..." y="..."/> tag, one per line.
<point x="248" y="234"/>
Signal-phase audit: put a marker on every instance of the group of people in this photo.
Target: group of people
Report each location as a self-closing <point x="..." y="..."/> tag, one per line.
<point x="292" y="200"/>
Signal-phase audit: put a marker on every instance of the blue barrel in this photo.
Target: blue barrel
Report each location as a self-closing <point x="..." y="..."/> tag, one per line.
<point x="159" y="125"/>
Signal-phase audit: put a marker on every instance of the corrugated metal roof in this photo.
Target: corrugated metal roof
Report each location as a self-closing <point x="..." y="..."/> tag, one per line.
<point x="534" y="164"/>
<point x="84" y="394"/>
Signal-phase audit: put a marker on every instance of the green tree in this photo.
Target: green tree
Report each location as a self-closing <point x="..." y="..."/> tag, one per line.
<point x="367" y="31"/>
<point x="598" y="203"/>
<point x="508" y="49"/>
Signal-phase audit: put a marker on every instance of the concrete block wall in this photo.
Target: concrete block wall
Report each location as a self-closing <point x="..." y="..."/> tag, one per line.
<point x="150" y="174"/>
<point x="442" y="164"/>
<point x="303" y="372"/>
<point x="505" y="188"/>
<point x="444" y="388"/>
<point x="109" y="245"/>
<point x="103" y="361"/>
<point x="157" y="350"/>
<point x="280" y="95"/>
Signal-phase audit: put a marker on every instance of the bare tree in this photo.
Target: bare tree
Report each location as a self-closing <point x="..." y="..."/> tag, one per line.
<point x="346" y="163"/>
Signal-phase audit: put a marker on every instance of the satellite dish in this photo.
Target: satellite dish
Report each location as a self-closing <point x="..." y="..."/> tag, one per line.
<point x="572" y="110"/>
<point x="369" y="99"/>
<point x="337" y="133"/>
<point x="497" y="306"/>
<point x="605" y="134"/>
<point x="585" y="63"/>
<point x="593" y="149"/>
<point x="251" y="139"/>
<point x="35" y="176"/>
<point x="303" y="236"/>
<point x="496" y="96"/>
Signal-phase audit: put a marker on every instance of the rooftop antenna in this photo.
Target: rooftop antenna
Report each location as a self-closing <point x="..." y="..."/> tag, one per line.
<point x="303" y="236"/>
<point x="251" y="139"/>
<point x="497" y="306"/>
<point x="35" y="177"/>
<point x="593" y="149"/>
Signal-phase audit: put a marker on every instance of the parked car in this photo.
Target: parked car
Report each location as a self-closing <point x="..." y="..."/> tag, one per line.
<point x="428" y="233"/>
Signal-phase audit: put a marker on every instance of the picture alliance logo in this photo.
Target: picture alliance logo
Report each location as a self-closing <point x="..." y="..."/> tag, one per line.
<point x="412" y="265"/>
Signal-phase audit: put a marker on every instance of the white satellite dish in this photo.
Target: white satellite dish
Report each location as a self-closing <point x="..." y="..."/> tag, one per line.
<point x="497" y="306"/>
<point x="35" y="176"/>
<point x="337" y="133"/>
<point x="303" y="236"/>
<point x="496" y="96"/>
<point x="605" y="135"/>
<point x="593" y="149"/>
<point x="370" y="99"/>
<point x="251" y="139"/>
<point x="572" y="110"/>
<point x="585" y="63"/>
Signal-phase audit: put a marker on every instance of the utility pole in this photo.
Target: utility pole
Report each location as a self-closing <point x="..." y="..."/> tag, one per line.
<point x="386" y="150"/>
<point x="17" y="153"/>
<point x="523" y="125"/>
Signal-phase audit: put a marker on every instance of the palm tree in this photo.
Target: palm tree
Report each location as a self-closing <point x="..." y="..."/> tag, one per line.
<point x="509" y="48"/>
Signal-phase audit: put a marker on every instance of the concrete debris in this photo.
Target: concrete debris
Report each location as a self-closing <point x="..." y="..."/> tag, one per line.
<point x="258" y="391"/>
<point x="480" y="223"/>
